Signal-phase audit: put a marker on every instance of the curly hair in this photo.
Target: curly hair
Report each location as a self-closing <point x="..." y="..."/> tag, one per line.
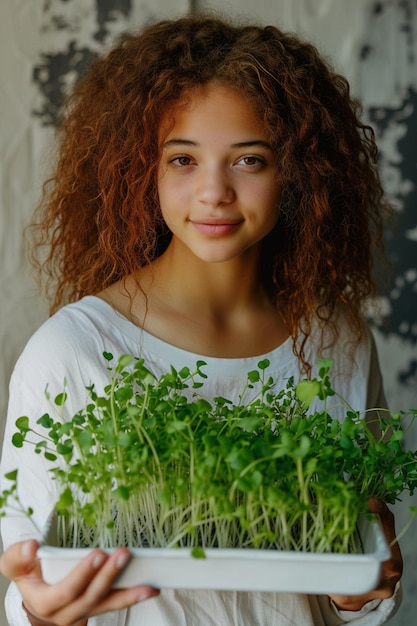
<point x="100" y="215"/>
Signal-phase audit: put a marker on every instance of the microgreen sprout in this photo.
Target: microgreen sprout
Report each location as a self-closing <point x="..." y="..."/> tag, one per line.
<point x="151" y="462"/>
<point x="10" y="501"/>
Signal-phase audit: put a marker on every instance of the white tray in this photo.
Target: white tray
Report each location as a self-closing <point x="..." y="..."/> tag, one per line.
<point x="241" y="569"/>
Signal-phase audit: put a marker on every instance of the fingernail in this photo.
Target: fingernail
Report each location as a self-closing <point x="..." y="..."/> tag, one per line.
<point x="27" y="549"/>
<point x="145" y="594"/>
<point x="122" y="559"/>
<point x="98" y="560"/>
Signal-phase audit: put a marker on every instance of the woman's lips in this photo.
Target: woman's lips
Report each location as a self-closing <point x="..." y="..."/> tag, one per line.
<point x="216" y="228"/>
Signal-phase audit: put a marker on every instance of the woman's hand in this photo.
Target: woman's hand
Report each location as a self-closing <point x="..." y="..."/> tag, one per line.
<point x="391" y="569"/>
<point x="85" y="592"/>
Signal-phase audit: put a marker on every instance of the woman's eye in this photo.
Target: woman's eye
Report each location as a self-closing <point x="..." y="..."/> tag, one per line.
<point x="251" y="161"/>
<point x="181" y="161"/>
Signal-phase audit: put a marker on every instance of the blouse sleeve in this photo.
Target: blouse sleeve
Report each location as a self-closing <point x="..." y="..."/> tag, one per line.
<point x="373" y="613"/>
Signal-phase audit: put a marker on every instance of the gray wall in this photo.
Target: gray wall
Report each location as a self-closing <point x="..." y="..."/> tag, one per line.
<point x="45" y="45"/>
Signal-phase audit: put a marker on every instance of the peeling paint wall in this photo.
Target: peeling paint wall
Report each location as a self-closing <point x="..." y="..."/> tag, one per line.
<point x="46" y="44"/>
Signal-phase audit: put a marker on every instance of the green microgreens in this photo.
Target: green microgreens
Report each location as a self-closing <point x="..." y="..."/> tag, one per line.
<point x="150" y="462"/>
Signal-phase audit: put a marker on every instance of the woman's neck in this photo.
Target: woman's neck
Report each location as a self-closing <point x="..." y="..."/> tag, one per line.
<point x="214" y="289"/>
<point x="212" y="309"/>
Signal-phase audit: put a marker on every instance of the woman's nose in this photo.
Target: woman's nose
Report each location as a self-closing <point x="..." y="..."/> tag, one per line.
<point x="215" y="186"/>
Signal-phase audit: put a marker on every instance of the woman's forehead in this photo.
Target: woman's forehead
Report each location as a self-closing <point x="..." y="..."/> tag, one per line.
<point x="206" y="108"/>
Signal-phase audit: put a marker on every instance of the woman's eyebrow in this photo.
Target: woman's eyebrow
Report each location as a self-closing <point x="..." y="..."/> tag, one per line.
<point x="254" y="143"/>
<point x="180" y="142"/>
<point x="241" y="144"/>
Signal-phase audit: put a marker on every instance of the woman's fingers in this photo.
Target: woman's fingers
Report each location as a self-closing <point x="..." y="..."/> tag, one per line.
<point x="19" y="560"/>
<point x="94" y="594"/>
<point x="86" y="591"/>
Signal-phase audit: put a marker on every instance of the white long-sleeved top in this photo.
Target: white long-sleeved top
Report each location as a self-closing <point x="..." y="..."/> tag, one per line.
<point x="70" y="346"/>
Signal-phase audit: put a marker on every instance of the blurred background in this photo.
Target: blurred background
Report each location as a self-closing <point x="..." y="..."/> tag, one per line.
<point x="46" y="44"/>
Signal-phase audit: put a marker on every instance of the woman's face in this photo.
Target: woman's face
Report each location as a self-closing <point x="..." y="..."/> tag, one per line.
<point x="217" y="178"/>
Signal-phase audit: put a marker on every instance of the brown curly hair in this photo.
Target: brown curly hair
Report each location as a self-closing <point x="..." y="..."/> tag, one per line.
<point x="100" y="214"/>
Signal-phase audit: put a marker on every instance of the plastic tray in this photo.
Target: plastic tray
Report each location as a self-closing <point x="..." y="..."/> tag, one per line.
<point x="241" y="569"/>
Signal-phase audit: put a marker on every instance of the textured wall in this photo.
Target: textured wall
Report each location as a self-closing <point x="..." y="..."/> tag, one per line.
<point x="45" y="44"/>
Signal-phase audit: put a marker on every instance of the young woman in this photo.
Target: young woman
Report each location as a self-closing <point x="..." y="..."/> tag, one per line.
<point x="215" y="197"/>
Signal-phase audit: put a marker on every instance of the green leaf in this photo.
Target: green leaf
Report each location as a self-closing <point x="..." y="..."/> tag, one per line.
<point x="307" y="390"/>
<point x="11" y="475"/>
<point x="18" y="440"/>
<point x="256" y="479"/>
<point x="324" y="366"/>
<point x="22" y="424"/>
<point x="198" y="553"/>
<point x="121" y="492"/>
<point x="303" y="447"/>
<point x="124" y="361"/>
<point x="346" y="442"/>
<point x="60" y="399"/>
<point x="311" y="465"/>
<point x="65" y="500"/>
<point x="184" y="372"/>
<point x="176" y="425"/>
<point x="254" y="376"/>
<point x="398" y="435"/>
<point x="84" y="439"/>
<point x="249" y="424"/>
<point x="50" y="456"/>
<point x="264" y="364"/>
<point x="148" y="379"/>
<point x="46" y="421"/>
<point x="348" y="427"/>
<point x="210" y="460"/>
<point x="125" y="440"/>
<point x="64" y="449"/>
<point x="124" y="393"/>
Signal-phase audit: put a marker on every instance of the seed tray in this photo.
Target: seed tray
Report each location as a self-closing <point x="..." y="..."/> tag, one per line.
<point x="241" y="569"/>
